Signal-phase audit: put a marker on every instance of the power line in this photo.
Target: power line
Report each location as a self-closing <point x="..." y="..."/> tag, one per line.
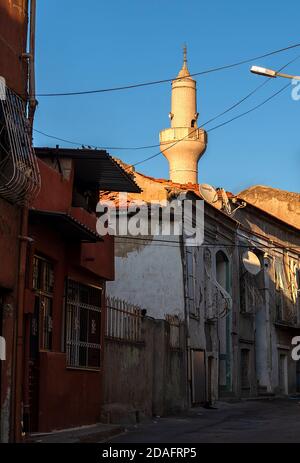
<point x="133" y="148"/>
<point x="156" y="82"/>
<point x="250" y="110"/>
<point x="216" y="127"/>
<point x="181" y="139"/>
<point x="94" y="146"/>
<point x="173" y="243"/>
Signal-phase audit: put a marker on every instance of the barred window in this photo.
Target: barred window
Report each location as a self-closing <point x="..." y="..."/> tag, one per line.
<point x="83" y="325"/>
<point x="43" y="284"/>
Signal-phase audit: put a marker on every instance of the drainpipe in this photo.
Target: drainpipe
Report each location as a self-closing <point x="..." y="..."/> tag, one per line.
<point x="31" y="65"/>
<point x="186" y="311"/>
<point x="187" y="318"/>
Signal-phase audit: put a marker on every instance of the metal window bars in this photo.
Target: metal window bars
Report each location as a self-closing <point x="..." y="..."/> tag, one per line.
<point x="83" y="325"/>
<point x="19" y="172"/>
<point x="43" y="279"/>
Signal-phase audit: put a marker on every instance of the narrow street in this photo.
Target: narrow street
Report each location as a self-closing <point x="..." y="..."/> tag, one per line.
<point x="271" y="421"/>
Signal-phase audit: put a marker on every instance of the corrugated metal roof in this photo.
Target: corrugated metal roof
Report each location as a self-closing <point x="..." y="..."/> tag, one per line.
<point x="65" y="224"/>
<point x="94" y="168"/>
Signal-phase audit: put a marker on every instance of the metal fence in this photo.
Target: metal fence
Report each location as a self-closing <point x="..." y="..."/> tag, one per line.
<point x="123" y="320"/>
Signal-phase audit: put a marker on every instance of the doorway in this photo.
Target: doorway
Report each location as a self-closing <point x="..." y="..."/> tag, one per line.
<point x="198" y="376"/>
<point x="283" y="373"/>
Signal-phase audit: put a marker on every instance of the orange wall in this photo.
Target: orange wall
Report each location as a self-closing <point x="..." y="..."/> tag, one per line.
<point x="13" y="28"/>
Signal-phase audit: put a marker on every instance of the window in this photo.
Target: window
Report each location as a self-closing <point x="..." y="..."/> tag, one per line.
<point x="43" y="284"/>
<point x="222" y="270"/>
<point x="280" y="285"/>
<point x="224" y="324"/>
<point x="83" y="325"/>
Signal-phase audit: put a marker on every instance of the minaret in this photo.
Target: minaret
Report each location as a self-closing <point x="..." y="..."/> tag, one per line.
<point x="183" y="144"/>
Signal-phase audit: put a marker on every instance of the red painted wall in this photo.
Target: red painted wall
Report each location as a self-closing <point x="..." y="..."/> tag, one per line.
<point x="68" y="397"/>
<point x="9" y="243"/>
<point x="55" y="193"/>
<point x="13" y="27"/>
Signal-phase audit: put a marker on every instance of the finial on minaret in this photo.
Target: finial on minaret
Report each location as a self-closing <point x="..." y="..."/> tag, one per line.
<point x="184" y="72"/>
<point x="185" y="56"/>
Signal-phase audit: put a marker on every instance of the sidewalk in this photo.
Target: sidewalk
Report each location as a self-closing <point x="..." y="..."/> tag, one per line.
<point x="84" y="434"/>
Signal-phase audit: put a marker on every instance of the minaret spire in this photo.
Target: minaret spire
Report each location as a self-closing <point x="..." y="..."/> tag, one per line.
<point x="183" y="143"/>
<point x="184" y="72"/>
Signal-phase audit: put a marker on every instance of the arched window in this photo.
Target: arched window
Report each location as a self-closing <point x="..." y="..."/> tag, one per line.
<point x="222" y="270"/>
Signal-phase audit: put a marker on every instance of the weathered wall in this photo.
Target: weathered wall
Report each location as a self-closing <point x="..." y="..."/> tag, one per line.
<point x="282" y="204"/>
<point x="149" y="273"/>
<point x="272" y="334"/>
<point x="146" y="377"/>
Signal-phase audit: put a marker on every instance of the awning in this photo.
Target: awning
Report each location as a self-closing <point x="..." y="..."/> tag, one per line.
<point x="65" y="224"/>
<point x="94" y="168"/>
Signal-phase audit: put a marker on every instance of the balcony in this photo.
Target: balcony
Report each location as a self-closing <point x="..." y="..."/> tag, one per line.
<point x="19" y="173"/>
<point x="178" y="133"/>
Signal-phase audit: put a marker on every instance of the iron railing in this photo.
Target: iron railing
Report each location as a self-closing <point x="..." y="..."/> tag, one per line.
<point x="123" y="320"/>
<point x="19" y="172"/>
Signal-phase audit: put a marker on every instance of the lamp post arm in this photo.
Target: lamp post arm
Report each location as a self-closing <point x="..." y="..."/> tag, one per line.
<point x="287" y="76"/>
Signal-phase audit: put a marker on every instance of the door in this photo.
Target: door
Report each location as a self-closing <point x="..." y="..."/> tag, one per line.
<point x="40" y="331"/>
<point x="283" y="373"/>
<point x="245" y="367"/>
<point x="198" y="376"/>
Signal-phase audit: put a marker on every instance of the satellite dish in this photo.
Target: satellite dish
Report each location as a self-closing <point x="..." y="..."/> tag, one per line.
<point x="208" y="193"/>
<point x="251" y="262"/>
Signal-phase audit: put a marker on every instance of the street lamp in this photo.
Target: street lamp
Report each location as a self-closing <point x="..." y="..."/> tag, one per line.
<point x="270" y="73"/>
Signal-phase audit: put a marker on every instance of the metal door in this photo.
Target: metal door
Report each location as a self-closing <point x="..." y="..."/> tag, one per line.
<point x="198" y="376"/>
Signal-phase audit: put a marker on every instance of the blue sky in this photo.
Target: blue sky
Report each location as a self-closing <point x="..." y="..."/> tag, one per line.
<point x="99" y="44"/>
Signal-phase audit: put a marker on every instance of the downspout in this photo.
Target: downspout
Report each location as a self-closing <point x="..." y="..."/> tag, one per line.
<point x="186" y="314"/>
<point x="187" y="320"/>
<point x="18" y="370"/>
<point x="16" y="428"/>
<point x="31" y="58"/>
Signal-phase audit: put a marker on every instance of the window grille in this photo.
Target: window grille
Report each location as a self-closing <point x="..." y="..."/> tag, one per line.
<point x="19" y="173"/>
<point x="43" y="284"/>
<point x="83" y="325"/>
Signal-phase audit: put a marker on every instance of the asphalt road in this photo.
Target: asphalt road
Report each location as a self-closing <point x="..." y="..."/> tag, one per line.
<point x="272" y="421"/>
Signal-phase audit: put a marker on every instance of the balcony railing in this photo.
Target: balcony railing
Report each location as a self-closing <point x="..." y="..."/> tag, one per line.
<point x="186" y="133"/>
<point x="19" y="173"/>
